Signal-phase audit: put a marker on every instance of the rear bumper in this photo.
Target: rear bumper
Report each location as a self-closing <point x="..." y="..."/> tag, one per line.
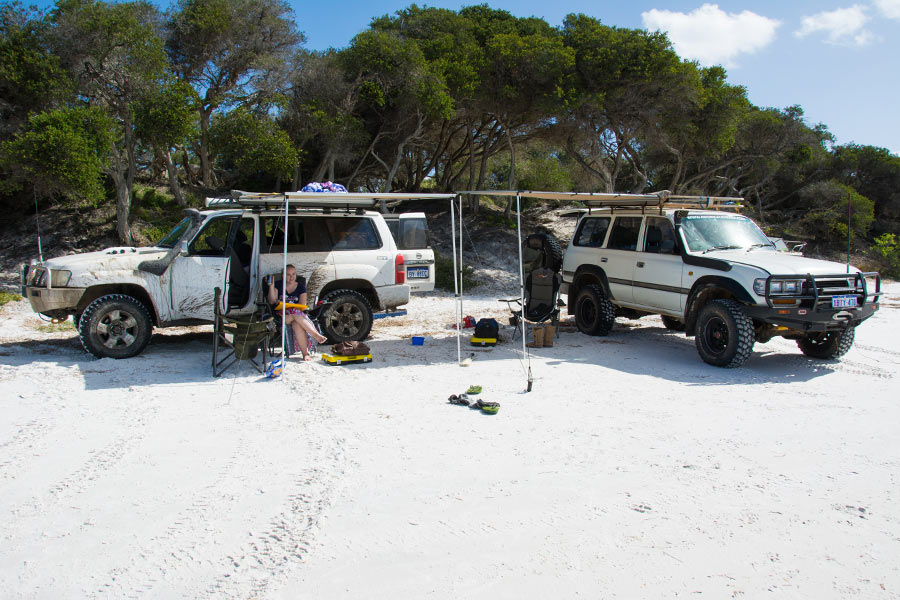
<point x="392" y="296"/>
<point x="55" y="301"/>
<point x="812" y="320"/>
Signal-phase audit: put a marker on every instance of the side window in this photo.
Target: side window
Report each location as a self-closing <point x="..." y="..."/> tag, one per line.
<point x="592" y="232"/>
<point x="659" y="236"/>
<point x="273" y="235"/>
<point x="624" y="234"/>
<point x="352" y="233"/>
<point x="213" y="238"/>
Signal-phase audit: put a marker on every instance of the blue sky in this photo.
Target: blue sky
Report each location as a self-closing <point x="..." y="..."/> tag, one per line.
<point x="839" y="60"/>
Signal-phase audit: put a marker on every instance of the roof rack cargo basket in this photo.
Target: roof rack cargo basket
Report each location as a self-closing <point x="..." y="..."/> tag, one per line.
<point x="615" y="200"/>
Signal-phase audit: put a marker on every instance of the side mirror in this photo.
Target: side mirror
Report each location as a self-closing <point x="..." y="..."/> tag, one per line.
<point x="183" y="248"/>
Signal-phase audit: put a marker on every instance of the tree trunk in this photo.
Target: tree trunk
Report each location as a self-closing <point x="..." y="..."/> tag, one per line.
<point x="512" y="174"/>
<point x="319" y="173"/>
<point x="474" y="200"/>
<point x="166" y="155"/>
<point x="203" y="150"/>
<point x="297" y="179"/>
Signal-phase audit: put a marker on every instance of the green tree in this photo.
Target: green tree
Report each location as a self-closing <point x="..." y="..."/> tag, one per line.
<point x="826" y="215"/>
<point x="61" y="153"/>
<point x="164" y="118"/>
<point x="233" y="53"/>
<point x="875" y="172"/>
<point x="253" y="148"/>
<point x="114" y="52"/>
<point x="31" y="78"/>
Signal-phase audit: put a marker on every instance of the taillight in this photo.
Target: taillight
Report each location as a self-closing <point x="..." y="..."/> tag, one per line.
<point x="399" y="270"/>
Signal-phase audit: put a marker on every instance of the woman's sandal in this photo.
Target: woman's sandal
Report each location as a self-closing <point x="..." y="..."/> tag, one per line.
<point x="474" y="389"/>
<point x="490" y="408"/>
<point x="461" y="400"/>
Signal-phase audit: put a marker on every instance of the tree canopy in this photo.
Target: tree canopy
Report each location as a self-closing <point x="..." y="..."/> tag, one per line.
<point x="96" y="95"/>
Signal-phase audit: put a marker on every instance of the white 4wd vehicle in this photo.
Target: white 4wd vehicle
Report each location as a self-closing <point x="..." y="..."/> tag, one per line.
<point x="345" y="251"/>
<point x="710" y="273"/>
<point x="410" y="231"/>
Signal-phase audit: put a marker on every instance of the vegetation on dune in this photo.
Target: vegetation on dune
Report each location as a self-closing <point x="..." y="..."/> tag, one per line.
<point x="101" y="101"/>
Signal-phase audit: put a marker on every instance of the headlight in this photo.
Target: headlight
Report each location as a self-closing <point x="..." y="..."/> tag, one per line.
<point x="59" y="278"/>
<point x="778" y="286"/>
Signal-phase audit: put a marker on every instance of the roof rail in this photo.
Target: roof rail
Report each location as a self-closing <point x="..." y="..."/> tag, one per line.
<point x="339" y="200"/>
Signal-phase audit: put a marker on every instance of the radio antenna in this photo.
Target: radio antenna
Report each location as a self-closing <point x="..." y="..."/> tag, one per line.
<point x="37" y="220"/>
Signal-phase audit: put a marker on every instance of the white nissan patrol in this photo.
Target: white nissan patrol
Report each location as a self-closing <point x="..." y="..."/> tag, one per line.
<point x="344" y="250"/>
<point x="710" y="272"/>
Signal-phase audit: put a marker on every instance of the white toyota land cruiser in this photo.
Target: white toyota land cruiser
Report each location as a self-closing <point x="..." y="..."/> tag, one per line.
<point x="711" y="273"/>
<point x="345" y="251"/>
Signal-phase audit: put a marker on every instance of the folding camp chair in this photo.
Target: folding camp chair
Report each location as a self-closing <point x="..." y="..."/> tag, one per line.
<point x="541" y="264"/>
<point x="240" y="338"/>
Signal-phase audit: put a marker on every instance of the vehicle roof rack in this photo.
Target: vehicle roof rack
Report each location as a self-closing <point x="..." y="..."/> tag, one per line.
<point x="616" y="200"/>
<point x="338" y="200"/>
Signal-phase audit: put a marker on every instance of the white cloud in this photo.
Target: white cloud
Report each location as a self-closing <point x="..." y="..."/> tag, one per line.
<point x="844" y="26"/>
<point x="711" y="36"/>
<point x="889" y="8"/>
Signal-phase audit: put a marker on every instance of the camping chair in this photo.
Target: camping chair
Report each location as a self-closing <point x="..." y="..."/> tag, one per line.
<point x="275" y="341"/>
<point x="541" y="265"/>
<point x="240" y="338"/>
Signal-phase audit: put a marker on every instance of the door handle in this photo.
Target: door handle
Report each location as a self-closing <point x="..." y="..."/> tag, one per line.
<point x="640" y="265"/>
<point x="603" y="259"/>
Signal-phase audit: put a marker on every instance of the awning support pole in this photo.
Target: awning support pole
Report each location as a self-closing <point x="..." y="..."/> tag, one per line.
<point x="455" y="286"/>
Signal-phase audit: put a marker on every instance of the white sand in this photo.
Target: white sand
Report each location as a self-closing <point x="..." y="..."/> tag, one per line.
<point x="633" y="470"/>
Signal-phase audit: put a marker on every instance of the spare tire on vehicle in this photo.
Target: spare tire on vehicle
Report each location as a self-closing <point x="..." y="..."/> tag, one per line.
<point x="541" y="250"/>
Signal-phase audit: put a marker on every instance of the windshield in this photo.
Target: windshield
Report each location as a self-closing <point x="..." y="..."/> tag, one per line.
<point x="173" y="236"/>
<point x="704" y="233"/>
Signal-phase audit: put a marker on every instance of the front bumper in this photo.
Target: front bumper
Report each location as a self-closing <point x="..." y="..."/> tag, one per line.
<point x="812" y="320"/>
<point x="54" y="301"/>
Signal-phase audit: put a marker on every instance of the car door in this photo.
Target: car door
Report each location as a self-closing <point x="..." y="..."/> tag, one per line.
<point x="619" y="257"/>
<point x="413" y="243"/>
<point x="204" y="268"/>
<point x="658" y="268"/>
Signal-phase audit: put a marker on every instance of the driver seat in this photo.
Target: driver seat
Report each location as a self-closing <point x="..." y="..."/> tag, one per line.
<point x="238" y="278"/>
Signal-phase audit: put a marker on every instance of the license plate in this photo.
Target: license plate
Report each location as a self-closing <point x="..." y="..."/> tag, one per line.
<point x="421" y="273"/>
<point x="843" y="301"/>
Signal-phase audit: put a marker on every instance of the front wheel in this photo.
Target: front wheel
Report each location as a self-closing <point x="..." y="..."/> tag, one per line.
<point x="115" y="326"/>
<point x="594" y="313"/>
<point x="827" y="344"/>
<point x="725" y="334"/>
<point x="348" y="318"/>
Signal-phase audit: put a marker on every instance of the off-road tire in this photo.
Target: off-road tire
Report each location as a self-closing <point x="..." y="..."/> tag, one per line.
<point x="553" y="254"/>
<point x="827" y="344"/>
<point x="349" y="318"/>
<point x="115" y="326"/>
<point x="724" y="334"/>
<point x="594" y="313"/>
<point x="672" y="323"/>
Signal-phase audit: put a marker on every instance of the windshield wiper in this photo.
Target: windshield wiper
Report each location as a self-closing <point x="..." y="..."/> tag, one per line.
<point x="760" y="246"/>
<point x="731" y="247"/>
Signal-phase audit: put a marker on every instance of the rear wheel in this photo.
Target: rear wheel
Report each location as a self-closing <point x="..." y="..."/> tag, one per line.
<point x="349" y="318"/>
<point x="827" y="344"/>
<point x="672" y="323"/>
<point x="725" y="334"/>
<point x="115" y="326"/>
<point x="594" y="313"/>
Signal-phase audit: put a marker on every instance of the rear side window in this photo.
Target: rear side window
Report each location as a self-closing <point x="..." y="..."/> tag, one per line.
<point x="305" y="234"/>
<point x="352" y="233"/>
<point x="659" y="236"/>
<point x="592" y="232"/>
<point x="624" y="234"/>
<point x="413" y="234"/>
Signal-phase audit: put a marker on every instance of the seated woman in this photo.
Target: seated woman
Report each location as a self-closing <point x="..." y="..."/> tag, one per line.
<point x="293" y="291"/>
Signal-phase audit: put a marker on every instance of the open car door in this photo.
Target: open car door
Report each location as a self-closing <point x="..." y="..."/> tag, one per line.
<point x="204" y="268"/>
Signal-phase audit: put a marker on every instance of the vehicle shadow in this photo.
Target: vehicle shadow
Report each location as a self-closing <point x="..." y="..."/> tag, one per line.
<point x="670" y="355"/>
